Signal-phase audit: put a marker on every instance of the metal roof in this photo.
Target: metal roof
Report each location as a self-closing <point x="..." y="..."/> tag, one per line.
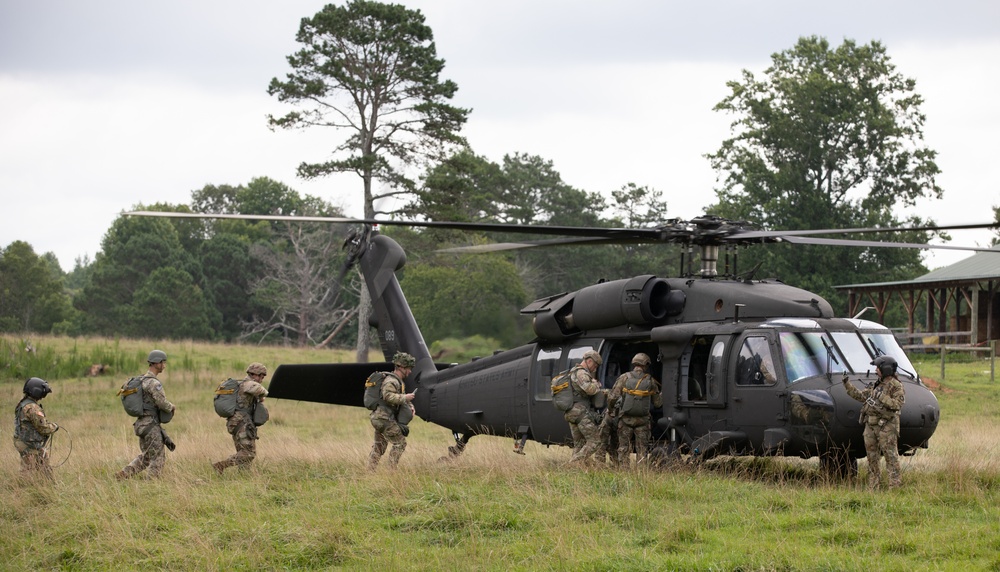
<point x="979" y="266"/>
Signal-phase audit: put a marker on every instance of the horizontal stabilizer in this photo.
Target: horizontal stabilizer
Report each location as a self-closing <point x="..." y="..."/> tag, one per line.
<point x="336" y="383"/>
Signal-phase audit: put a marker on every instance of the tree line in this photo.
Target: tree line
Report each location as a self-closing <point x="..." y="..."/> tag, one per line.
<point x="826" y="137"/>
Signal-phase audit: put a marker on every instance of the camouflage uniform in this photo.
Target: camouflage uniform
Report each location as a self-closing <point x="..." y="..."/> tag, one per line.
<point x="383" y="419"/>
<point x="147" y="428"/>
<point x="880" y="414"/>
<point x="241" y="425"/>
<point x="582" y="417"/>
<point x="31" y="432"/>
<point x="637" y="428"/>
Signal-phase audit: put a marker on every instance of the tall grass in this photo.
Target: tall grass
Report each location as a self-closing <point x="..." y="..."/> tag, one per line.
<point x="308" y="503"/>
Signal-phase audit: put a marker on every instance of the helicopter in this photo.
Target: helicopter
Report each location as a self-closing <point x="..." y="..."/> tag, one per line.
<point x="747" y="367"/>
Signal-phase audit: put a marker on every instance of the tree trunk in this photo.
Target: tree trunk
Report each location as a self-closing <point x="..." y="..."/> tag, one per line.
<point x="364" y="329"/>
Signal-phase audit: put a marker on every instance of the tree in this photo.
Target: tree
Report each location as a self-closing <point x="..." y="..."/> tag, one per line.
<point x="31" y="290"/>
<point x="371" y="69"/>
<point x="131" y="250"/>
<point x="169" y="305"/>
<point x="829" y="138"/>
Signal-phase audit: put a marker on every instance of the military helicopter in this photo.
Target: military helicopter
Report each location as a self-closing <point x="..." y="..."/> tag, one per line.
<point x="748" y="367"/>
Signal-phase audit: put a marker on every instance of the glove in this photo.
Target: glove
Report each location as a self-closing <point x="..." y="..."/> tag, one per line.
<point x="57" y="427"/>
<point x="844" y="380"/>
<point x="169" y="443"/>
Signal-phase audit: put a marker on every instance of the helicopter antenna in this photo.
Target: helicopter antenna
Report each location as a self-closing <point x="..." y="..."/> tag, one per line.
<point x="863" y="310"/>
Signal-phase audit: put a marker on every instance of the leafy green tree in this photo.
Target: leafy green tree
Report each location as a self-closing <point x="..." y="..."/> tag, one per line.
<point x="372" y="70"/>
<point x="131" y="250"/>
<point x="229" y="272"/>
<point x="475" y="294"/>
<point x="828" y="138"/>
<point x="169" y="305"/>
<point x="31" y="290"/>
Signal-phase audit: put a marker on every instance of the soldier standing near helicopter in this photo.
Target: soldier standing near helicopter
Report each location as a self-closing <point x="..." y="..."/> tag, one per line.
<point x="32" y="429"/>
<point x="632" y="394"/>
<point x="582" y="417"/>
<point x="384" y="418"/>
<point x="880" y="414"/>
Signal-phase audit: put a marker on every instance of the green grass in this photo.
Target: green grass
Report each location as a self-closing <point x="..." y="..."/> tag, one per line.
<point x="309" y="504"/>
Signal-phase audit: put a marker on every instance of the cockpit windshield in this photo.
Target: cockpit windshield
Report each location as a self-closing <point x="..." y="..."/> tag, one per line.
<point x="809" y="354"/>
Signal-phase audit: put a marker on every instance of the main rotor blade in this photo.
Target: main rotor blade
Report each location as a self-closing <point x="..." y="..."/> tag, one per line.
<point x="583" y="231"/>
<point x="878" y="244"/>
<point x="503" y="246"/>
<point x="781" y="233"/>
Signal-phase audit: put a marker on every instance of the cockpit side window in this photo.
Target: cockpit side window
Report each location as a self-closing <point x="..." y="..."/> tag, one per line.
<point x="754" y="365"/>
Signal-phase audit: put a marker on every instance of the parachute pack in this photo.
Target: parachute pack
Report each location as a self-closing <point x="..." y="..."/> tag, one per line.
<point x="562" y="394"/>
<point x="131" y="394"/>
<point x="637" y="398"/>
<point x="373" y="389"/>
<point x="225" y="397"/>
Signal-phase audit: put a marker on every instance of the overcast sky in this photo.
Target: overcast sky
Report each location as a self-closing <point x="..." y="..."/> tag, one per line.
<point x="108" y="103"/>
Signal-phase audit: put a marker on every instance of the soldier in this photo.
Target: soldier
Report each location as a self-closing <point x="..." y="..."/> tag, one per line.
<point x="631" y="395"/>
<point x="393" y="396"/>
<point x="155" y="409"/>
<point x="880" y="414"/>
<point x="241" y="425"/>
<point x="32" y="429"/>
<point x="582" y="417"/>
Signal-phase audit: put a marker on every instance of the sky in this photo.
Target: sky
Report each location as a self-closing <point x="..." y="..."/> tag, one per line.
<point x="105" y="104"/>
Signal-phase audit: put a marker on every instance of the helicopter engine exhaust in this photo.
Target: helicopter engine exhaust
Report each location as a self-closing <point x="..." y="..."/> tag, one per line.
<point x="638" y="301"/>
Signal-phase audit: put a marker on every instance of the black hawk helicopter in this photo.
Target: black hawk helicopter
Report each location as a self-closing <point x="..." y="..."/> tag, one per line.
<point x="748" y="367"/>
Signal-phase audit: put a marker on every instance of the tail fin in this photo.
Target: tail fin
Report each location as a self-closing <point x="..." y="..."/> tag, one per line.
<point x="379" y="258"/>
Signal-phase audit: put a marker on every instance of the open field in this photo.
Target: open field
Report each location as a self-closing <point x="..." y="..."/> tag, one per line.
<point x="309" y="503"/>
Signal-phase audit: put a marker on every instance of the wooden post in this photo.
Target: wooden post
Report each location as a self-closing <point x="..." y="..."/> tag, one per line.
<point x="942" y="361"/>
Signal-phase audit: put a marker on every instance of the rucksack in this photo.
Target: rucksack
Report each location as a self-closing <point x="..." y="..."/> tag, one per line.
<point x="131" y="394"/>
<point x="373" y="390"/>
<point x="562" y="393"/>
<point x="225" y="397"/>
<point x="636" y="400"/>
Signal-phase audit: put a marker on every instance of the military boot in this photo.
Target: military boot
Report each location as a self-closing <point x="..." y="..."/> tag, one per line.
<point x="220" y="467"/>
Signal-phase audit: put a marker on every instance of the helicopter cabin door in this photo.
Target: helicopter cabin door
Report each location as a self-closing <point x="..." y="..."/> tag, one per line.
<point x="758" y="389"/>
<point x="547" y="423"/>
<point x="703" y="372"/>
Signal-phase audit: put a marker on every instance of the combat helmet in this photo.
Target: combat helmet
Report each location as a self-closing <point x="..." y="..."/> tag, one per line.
<point x="257" y="368"/>
<point x="594" y="356"/>
<point x="156" y="356"/>
<point x="403" y="359"/>
<point x="641" y="359"/>
<point x="886" y="365"/>
<point x="36" y="388"/>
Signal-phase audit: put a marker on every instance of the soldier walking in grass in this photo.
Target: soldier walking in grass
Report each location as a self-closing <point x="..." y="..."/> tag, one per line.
<point x="32" y="430"/>
<point x="241" y="424"/>
<point x="880" y="414"/>
<point x="155" y="410"/>
<point x="389" y="400"/>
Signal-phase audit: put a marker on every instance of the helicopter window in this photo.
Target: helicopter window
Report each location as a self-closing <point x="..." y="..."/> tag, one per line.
<point x="754" y="366"/>
<point x="547" y="364"/>
<point x="805" y="354"/>
<point x="854" y="350"/>
<point x="885" y="343"/>
<point x="716" y="379"/>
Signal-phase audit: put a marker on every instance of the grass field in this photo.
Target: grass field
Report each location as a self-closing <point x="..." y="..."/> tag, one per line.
<point x="309" y="504"/>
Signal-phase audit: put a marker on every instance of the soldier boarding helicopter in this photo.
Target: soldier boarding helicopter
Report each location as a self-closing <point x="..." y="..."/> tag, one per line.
<point x="748" y="367"/>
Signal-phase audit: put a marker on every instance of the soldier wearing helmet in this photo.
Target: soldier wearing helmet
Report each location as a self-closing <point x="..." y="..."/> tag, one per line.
<point x="584" y="422"/>
<point x="880" y="416"/>
<point x="395" y="404"/>
<point x="241" y="425"/>
<point x="156" y="410"/>
<point x="32" y="429"/>
<point x="632" y="395"/>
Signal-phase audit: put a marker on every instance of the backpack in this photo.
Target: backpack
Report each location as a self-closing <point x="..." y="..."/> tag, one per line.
<point x="635" y="401"/>
<point x="562" y="393"/>
<point x="225" y="397"/>
<point x="373" y="390"/>
<point x="131" y="394"/>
